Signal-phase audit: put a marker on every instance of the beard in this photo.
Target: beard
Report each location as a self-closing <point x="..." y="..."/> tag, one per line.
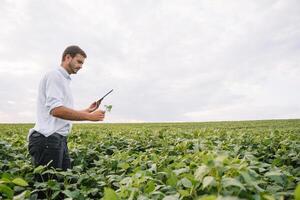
<point x="73" y="68"/>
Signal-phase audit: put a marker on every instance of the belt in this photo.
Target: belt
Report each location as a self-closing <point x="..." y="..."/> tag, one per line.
<point x="56" y="135"/>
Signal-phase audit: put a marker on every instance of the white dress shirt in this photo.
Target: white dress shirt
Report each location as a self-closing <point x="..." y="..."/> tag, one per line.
<point x="54" y="91"/>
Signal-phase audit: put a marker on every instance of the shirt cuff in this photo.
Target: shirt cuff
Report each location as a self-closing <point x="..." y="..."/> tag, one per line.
<point x="54" y="103"/>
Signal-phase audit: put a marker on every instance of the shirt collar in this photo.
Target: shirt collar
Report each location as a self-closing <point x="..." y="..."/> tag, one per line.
<point x="64" y="72"/>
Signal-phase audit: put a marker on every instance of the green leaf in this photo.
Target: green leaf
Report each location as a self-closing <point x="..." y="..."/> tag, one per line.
<point x="7" y="191"/>
<point x="153" y="168"/>
<point x="110" y="194"/>
<point x="114" y="164"/>
<point x="201" y="172"/>
<point x="127" y="181"/>
<point x="108" y="107"/>
<point x="4" y="180"/>
<point x="39" y="169"/>
<point x="297" y="192"/>
<point x="186" y="182"/>
<point x="55" y="194"/>
<point x="172" y="180"/>
<point x="6" y="176"/>
<point x="276" y="176"/>
<point x="72" y="194"/>
<point x="123" y="165"/>
<point x="268" y="197"/>
<point x="247" y="178"/>
<point x="228" y="182"/>
<point x="150" y="187"/>
<point x="172" y="197"/>
<point x="22" y="196"/>
<point x="181" y="171"/>
<point x="53" y="185"/>
<point x="210" y="197"/>
<point x="20" y="182"/>
<point x="208" y="181"/>
<point x="273" y="173"/>
<point x="184" y="193"/>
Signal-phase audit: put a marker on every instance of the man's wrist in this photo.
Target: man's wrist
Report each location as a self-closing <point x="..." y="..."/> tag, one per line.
<point x="86" y="110"/>
<point x="86" y="115"/>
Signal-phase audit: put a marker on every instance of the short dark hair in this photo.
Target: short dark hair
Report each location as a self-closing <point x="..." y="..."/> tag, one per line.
<point x="72" y="51"/>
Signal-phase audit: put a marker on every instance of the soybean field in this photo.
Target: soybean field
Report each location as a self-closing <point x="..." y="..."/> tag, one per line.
<point x="257" y="160"/>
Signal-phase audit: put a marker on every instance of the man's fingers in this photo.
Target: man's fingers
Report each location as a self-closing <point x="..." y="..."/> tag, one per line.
<point x="99" y="114"/>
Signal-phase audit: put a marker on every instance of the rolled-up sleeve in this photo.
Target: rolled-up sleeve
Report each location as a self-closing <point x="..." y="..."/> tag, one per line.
<point x="54" y="92"/>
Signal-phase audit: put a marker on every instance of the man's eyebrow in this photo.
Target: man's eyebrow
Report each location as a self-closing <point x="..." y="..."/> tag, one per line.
<point x="79" y="61"/>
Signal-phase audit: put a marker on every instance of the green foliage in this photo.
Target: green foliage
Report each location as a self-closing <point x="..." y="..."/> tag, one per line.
<point x="110" y="194"/>
<point x="108" y="107"/>
<point x="297" y="193"/>
<point x="225" y="160"/>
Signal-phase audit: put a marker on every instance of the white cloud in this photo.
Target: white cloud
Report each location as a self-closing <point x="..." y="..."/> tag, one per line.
<point x="11" y="102"/>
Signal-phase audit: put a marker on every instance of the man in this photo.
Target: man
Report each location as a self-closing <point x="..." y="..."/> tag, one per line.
<point x="48" y="138"/>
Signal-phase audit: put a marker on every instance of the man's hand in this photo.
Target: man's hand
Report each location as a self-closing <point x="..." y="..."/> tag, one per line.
<point x="97" y="115"/>
<point x="92" y="107"/>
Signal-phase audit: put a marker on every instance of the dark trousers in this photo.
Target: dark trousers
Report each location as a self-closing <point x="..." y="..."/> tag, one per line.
<point x="52" y="149"/>
<point x="44" y="150"/>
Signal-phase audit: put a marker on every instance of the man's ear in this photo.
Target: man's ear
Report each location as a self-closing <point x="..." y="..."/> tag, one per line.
<point x="68" y="57"/>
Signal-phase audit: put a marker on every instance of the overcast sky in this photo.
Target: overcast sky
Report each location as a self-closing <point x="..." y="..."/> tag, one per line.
<point x="167" y="60"/>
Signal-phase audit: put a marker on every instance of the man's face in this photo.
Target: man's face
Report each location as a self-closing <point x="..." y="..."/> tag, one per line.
<point x="75" y="64"/>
